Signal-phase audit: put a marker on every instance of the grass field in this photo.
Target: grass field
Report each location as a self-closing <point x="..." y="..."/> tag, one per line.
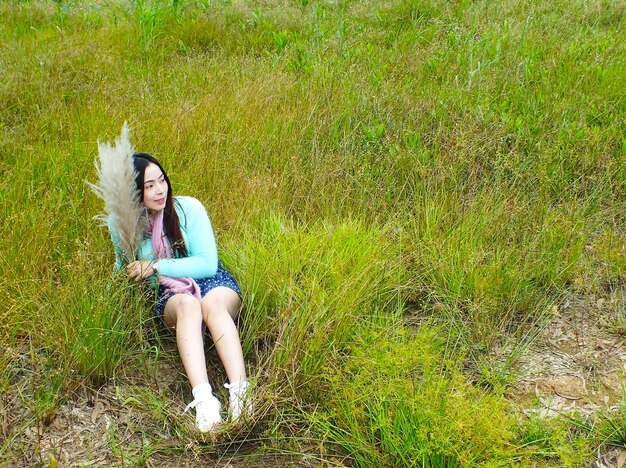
<point x="407" y="191"/>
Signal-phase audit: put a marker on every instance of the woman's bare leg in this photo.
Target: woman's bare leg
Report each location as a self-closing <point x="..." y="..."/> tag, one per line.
<point x="220" y="307"/>
<point x="183" y="313"/>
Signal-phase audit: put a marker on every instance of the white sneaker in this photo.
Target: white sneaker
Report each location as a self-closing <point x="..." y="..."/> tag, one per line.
<point x="207" y="407"/>
<point x="240" y="401"/>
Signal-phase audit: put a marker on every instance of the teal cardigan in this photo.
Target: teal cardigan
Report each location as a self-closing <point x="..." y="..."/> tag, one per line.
<point x="197" y="231"/>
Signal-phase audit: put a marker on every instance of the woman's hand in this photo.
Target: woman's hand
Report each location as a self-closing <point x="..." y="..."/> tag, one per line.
<point x="140" y="269"/>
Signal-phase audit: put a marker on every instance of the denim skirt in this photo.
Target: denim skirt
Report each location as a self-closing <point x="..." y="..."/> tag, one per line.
<point x="221" y="278"/>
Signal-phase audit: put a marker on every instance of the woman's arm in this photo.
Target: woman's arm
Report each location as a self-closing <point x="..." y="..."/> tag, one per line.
<point x="201" y="246"/>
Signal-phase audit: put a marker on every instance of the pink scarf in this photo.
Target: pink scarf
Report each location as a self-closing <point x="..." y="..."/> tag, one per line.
<point x="161" y="249"/>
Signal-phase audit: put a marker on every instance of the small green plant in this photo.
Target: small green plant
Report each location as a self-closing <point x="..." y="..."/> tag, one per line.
<point x="611" y="428"/>
<point x="61" y="14"/>
<point x="281" y="39"/>
<point x="374" y="134"/>
<point x="152" y="17"/>
<point x="412" y="140"/>
<point x="536" y="436"/>
<point x="48" y="398"/>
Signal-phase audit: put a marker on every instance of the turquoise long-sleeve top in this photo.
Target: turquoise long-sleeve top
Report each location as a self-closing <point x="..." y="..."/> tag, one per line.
<point x="197" y="231"/>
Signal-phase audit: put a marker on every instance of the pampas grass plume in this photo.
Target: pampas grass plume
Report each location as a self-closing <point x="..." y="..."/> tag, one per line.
<point x="123" y="210"/>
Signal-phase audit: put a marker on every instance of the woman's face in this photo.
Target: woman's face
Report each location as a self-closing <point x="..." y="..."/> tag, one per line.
<point x="154" y="188"/>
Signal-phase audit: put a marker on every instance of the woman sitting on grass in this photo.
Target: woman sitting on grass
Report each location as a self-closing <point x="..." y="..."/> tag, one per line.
<point x="179" y="252"/>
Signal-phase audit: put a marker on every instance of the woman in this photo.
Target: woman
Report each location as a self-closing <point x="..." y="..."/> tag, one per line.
<point x="194" y="290"/>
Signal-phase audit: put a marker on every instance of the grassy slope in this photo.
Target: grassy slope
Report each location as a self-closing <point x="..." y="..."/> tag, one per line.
<point x="362" y="162"/>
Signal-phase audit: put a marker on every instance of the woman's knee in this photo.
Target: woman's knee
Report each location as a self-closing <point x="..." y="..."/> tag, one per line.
<point x="188" y="307"/>
<point x="211" y="306"/>
<point x="219" y="302"/>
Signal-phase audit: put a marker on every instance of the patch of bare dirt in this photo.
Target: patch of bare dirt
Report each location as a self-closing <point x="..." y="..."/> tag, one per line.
<point x="103" y="427"/>
<point x="575" y="365"/>
<point x="136" y="419"/>
<point x="78" y="433"/>
<point x="615" y="458"/>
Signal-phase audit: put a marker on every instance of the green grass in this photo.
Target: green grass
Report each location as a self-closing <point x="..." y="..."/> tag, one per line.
<point x="612" y="426"/>
<point x="366" y="165"/>
<point x="310" y="287"/>
<point x="396" y="401"/>
<point x="559" y="441"/>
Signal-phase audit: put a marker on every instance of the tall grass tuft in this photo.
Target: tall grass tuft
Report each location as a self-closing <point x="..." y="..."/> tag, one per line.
<point x="394" y="400"/>
<point x="492" y="266"/>
<point x="612" y="426"/>
<point x="309" y="288"/>
<point x="94" y="325"/>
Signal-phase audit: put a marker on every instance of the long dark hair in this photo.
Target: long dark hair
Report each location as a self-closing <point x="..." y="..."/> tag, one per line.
<point x="171" y="224"/>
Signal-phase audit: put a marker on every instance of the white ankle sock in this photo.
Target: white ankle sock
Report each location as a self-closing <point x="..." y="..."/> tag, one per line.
<point x="202" y="391"/>
<point x="207" y="407"/>
<point x="240" y="402"/>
